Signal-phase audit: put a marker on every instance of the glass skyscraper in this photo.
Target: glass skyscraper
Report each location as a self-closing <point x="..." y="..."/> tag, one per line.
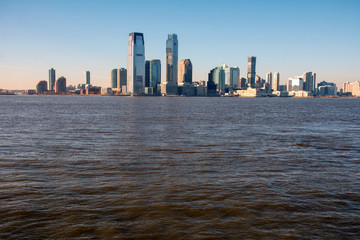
<point x="87" y="77"/>
<point x="114" y="77"/>
<point x="251" y="71"/>
<point x="185" y="71"/>
<point x="155" y="73"/>
<point x="172" y="59"/>
<point x="136" y="64"/>
<point x="51" y="79"/>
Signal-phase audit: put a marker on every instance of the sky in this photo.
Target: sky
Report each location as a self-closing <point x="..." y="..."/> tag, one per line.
<point x="290" y="37"/>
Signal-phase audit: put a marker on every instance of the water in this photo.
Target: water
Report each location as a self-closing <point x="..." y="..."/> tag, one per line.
<point x="79" y="167"/>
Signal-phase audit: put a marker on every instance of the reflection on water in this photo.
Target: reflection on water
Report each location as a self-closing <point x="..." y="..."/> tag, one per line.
<point x="179" y="168"/>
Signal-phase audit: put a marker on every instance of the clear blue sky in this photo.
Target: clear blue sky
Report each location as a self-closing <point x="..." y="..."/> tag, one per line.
<point x="289" y="37"/>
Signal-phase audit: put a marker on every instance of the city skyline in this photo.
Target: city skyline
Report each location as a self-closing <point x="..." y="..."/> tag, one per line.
<point x="322" y="40"/>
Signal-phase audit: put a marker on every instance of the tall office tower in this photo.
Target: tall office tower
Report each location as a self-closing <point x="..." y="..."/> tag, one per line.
<point x="147" y="73"/>
<point x="308" y="82"/>
<point x="258" y="82"/>
<point x="121" y="79"/>
<point x="136" y="64"/>
<point x="243" y="83"/>
<point x="51" y="79"/>
<point x="172" y="59"/>
<point x="60" y="85"/>
<point x="234" y="77"/>
<point x="276" y="82"/>
<point x="314" y="81"/>
<point x="185" y="71"/>
<point x="113" y="78"/>
<point x="269" y="80"/>
<point x="87" y="77"/>
<point x="251" y="71"/>
<point x="155" y="73"/>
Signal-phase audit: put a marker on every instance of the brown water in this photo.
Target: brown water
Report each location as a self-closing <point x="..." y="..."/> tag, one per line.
<point x="77" y="167"/>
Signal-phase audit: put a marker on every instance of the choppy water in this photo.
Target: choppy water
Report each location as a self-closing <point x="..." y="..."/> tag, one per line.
<point x="78" y="167"/>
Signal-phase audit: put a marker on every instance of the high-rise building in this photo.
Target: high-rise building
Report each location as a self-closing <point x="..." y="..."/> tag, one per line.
<point x="147" y="73"/>
<point x="234" y="77"/>
<point x="155" y="73"/>
<point x="251" y="71"/>
<point x="308" y="82"/>
<point x="114" y="77"/>
<point x="218" y="78"/>
<point x="87" y="77"/>
<point x="121" y="78"/>
<point x="60" y="85"/>
<point x="136" y="64"/>
<point x="276" y="82"/>
<point x="269" y="80"/>
<point x="314" y="80"/>
<point x="172" y="59"/>
<point x="51" y="79"/>
<point x="41" y="87"/>
<point x="185" y="71"/>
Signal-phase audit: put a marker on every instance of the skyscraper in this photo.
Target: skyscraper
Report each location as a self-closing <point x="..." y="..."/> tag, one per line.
<point x="251" y="71"/>
<point x="41" y="87"/>
<point x="269" y="80"/>
<point x="87" y="77"/>
<point x="113" y="77"/>
<point x="185" y="71"/>
<point x="171" y="59"/>
<point x="136" y="64"/>
<point x="308" y="82"/>
<point x="121" y="78"/>
<point x="147" y="73"/>
<point x="234" y="77"/>
<point x="314" y="80"/>
<point x="155" y="73"/>
<point x="218" y="78"/>
<point x="276" y="82"/>
<point x="51" y="79"/>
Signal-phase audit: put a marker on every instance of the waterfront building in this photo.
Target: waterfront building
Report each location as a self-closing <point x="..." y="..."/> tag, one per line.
<point x="243" y="83"/>
<point x="308" y="82"/>
<point x="170" y="86"/>
<point x="276" y="82"/>
<point x="296" y="84"/>
<point x="121" y="79"/>
<point x="136" y="64"/>
<point x="51" y="79"/>
<point x="113" y="77"/>
<point x="269" y="80"/>
<point x="41" y="87"/>
<point x="251" y="75"/>
<point x="60" y="85"/>
<point x="185" y="71"/>
<point x="234" y="77"/>
<point x="147" y="73"/>
<point x="87" y="77"/>
<point x="258" y="82"/>
<point x="155" y="74"/>
<point x="218" y="78"/>
<point x="326" y="89"/>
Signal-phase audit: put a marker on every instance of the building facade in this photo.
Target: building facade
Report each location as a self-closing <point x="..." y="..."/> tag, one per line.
<point x="269" y="80"/>
<point x="113" y="78"/>
<point x="41" y="87"/>
<point x="121" y="78"/>
<point x="251" y="75"/>
<point x="60" y="85"/>
<point x="276" y="82"/>
<point x="87" y="77"/>
<point x="172" y="59"/>
<point x="296" y="84"/>
<point x="51" y="79"/>
<point x="155" y="74"/>
<point x="185" y="71"/>
<point x="136" y="64"/>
